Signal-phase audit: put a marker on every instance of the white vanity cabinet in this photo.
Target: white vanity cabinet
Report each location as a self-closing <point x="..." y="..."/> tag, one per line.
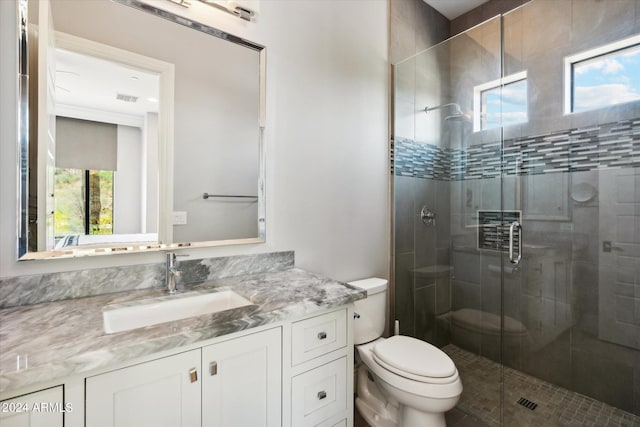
<point x="241" y="381"/>
<point x="159" y="393"/>
<point x="231" y="383"/>
<point x="292" y="373"/>
<point x="39" y="409"/>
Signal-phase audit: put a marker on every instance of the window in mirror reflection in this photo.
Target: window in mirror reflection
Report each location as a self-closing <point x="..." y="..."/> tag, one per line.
<point x="83" y="203"/>
<point x="106" y="116"/>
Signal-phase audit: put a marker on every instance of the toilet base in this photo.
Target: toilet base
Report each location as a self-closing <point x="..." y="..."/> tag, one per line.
<point x="414" y="418"/>
<point x="371" y="416"/>
<point x="372" y="404"/>
<point x="378" y="411"/>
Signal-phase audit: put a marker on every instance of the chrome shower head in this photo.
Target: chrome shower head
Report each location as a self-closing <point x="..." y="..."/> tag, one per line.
<point x="457" y="117"/>
<point x="457" y="111"/>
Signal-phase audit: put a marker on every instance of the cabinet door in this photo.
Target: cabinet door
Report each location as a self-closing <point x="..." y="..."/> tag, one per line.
<point x="241" y="384"/>
<point x="41" y="409"/>
<point x="160" y="393"/>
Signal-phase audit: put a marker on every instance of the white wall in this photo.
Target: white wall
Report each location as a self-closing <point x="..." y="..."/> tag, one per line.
<point x="326" y="138"/>
<point x="127" y="182"/>
<point x="150" y="174"/>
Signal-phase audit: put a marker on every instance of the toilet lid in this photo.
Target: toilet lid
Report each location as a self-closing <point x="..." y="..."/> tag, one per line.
<point x="412" y="356"/>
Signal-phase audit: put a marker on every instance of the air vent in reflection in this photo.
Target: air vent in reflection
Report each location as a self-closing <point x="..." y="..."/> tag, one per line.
<point x="126" y="98"/>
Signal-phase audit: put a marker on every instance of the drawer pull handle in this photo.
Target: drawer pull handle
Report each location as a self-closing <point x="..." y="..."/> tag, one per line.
<point x="322" y="395"/>
<point x="193" y="375"/>
<point x="213" y="368"/>
<point x="322" y="335"/>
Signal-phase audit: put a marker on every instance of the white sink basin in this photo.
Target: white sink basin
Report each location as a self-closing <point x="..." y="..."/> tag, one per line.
<point x="128" y="316"/>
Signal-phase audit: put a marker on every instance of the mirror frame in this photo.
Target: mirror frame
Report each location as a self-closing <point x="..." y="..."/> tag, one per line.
<point x="165" y="154"/>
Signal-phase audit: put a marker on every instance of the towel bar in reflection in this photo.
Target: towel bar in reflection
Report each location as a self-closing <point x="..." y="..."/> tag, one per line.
<point x="210" y="196"/>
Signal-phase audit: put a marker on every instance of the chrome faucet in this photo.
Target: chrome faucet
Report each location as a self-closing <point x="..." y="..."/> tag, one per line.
<point x="172" y="273"/>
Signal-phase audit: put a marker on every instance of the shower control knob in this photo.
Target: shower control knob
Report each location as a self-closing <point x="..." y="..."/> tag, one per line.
<point x="428" y="216"/>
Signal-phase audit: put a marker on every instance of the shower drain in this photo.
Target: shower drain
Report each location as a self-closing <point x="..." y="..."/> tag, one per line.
<point x="527" y="403"/>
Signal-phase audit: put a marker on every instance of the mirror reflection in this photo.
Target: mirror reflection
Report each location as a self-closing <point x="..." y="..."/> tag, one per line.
<point x="134" y="141"/>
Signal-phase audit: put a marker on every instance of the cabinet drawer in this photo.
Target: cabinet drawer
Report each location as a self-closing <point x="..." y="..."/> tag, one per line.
<point x="318" y="335"/>
<point x="319" y="394"/>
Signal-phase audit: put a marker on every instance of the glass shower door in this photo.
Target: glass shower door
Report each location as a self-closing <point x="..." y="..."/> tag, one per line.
<point x="571" y="307"/>
<point x="532" y="117"/>
<point x="447" y="196"/>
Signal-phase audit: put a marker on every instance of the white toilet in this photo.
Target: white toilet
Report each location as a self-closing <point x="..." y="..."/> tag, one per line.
<point x="403" y="382"/>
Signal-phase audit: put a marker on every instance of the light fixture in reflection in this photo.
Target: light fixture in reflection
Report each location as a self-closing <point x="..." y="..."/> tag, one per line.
<point x="184" y="3"/>
<point x="232" y="7"/>
<point x="229" y="6"/>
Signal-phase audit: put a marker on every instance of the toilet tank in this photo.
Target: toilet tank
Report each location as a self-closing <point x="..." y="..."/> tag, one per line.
<point x="372" y="310"/>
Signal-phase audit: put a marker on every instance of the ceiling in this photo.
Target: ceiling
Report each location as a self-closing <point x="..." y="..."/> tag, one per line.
<point x="454" y="8"/>
<point x="91" y="83"/>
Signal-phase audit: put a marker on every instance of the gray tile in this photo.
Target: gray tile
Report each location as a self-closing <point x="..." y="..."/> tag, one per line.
<point x="495" y="7"/>
<point x="465" y="295"/>
<point x="602" y="379"/>
<point x="424" y="306"/>
<point x="431" y="27"/>
<point x="403" y="214"/>
<point x="405" y="81"/>
<point x="552" y="362"/>
<point x="552" y="16"/>
<point x="402" y="33"/>
<point x="404" y="118"/>
<point x="404" y="292"/>
<point x="442" y="208"/>
<point x="467" y="267"/>
<point x="464" y="22"/>
<point x="484" y="380"/>
<point x="585" y="294"/>
<point x="443" y="294"/>
<point x="595" y="22"/>
<point x="636" y="391"/>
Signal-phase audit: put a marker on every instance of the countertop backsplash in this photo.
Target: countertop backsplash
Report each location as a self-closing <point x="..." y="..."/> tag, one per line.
<point x="41" y="288"/>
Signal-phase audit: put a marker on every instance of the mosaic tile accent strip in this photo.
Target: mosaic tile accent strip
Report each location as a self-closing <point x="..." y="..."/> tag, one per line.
<point x="556" y="406"/>
<point x="611" y="145"/>
<point x="421" y="160"/>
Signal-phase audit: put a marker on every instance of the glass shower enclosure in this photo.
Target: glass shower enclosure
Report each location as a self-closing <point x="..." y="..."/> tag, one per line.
<point x="516" y="163"/>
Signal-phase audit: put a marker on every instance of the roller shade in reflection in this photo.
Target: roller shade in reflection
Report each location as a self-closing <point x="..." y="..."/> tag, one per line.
<point x="84" y="144"/>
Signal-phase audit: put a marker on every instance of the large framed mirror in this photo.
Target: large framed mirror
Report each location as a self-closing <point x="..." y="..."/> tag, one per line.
<point x="139" y="130"/>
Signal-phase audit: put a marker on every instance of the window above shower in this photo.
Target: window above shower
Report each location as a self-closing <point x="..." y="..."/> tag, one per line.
<point x="502" y="102"/>
<point x="602" y="77"/>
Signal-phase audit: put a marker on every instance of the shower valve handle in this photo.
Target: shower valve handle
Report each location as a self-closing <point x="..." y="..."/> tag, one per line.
<point x="428" y="216"/>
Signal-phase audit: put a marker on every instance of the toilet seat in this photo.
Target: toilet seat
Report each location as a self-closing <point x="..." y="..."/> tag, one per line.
<point x="410" y="376"/>
<point x="441" y="388"/>
<point x="414" y="359"/>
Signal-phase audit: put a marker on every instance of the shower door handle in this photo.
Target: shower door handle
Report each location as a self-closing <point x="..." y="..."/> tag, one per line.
<point x="512" y="228"/>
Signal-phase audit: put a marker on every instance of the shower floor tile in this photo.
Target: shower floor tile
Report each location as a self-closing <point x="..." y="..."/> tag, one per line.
<point x="556" y="405"/>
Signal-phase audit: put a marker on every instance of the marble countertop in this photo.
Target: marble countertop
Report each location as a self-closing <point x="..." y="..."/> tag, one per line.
<point x="67" y="338"/>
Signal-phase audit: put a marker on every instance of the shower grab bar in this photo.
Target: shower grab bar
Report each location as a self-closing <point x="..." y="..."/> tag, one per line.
<point x="208" y="196"/>
<point x="512" y="227"/>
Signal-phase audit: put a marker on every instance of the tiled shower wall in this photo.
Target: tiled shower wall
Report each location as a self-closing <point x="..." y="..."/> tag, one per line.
<point x="456" y="172"/>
